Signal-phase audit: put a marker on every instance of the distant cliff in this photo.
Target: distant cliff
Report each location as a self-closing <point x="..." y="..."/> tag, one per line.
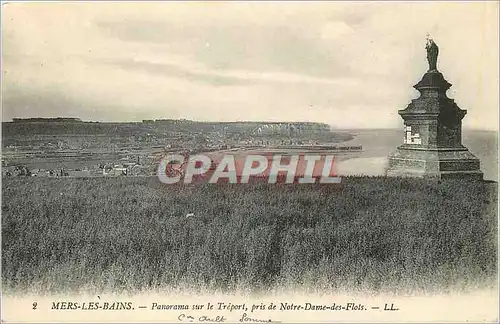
<point x="39" y="119"/>
<point x="75" y="126"/>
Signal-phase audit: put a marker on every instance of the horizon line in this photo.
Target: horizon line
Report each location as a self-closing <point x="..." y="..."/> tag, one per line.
<point x="332" y="126"/>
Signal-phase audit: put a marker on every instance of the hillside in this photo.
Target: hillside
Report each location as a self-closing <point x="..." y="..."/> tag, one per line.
<point x="370" y="234"/>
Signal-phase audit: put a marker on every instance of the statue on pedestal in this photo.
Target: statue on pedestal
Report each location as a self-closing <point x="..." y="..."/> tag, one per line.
<point x="432" y="53"/>
<point x="432" y="143"/>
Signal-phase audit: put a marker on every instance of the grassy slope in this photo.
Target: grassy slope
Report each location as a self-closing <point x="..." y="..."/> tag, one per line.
<point x="126" y="234"/>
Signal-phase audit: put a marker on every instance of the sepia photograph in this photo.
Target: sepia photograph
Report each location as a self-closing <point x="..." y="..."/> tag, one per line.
<point x="249" y="162"/>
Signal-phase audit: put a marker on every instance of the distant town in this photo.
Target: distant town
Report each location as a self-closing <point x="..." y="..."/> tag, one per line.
<point x="70" y="147"/>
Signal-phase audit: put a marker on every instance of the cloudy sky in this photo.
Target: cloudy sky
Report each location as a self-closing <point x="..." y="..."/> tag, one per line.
<point x="346" y="64"/>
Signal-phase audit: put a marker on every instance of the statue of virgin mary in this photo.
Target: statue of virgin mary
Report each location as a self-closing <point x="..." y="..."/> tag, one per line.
<point x="432" y="54"/>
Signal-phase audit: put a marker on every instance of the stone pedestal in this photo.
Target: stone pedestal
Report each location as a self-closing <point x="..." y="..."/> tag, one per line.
<point x="432" y="145"/>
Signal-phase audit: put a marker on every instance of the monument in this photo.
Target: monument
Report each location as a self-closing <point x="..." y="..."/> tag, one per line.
<point x="432" y="145"/>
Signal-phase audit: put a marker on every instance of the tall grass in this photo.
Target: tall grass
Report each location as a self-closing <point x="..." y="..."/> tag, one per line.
<point x="130" y="234"/>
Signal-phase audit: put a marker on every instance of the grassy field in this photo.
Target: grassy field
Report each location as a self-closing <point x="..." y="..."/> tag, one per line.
<point x="126" y="234"/>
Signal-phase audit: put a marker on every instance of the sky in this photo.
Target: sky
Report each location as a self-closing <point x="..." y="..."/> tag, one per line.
<point x="347" y="64"/>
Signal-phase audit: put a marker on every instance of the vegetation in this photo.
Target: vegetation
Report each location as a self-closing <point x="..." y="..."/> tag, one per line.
<point x="126" y="234"/>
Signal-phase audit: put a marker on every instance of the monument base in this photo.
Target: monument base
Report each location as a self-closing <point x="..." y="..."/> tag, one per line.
<point x="439" y="163"/>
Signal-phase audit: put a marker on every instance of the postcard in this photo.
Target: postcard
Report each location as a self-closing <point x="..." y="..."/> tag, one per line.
<point x="249" y="162"/>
